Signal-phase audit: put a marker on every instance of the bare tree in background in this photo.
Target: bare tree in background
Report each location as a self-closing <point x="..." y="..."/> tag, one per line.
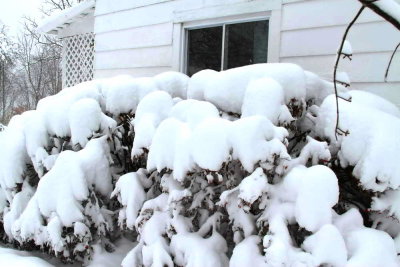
<point x="49" y="6"/>
<point x="39" y="65"/>
<point x="6" y="66"/>
<point x="30" y="70"/>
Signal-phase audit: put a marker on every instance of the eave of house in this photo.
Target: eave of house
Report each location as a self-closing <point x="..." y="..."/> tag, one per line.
<point x="56" y="23"/>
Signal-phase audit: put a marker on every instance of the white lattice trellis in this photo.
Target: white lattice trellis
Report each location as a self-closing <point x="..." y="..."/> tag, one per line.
<point x="78" y="59"/>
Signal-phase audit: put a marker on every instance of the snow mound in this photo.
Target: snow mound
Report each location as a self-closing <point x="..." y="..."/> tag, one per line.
<point x="370" y="247"/>
<point x="364" y="147"/>
<point x="374" y="101"/>
<point x="151" y="111"/>
<point x="265" y="97"/>
<point x="312" y="192"/>
<point x="323" y="243"/>
<point x="247" y="253"/>
<point x="85" y="119"/>
<point x="226" y="89"/>
<point x="174" y="83"/>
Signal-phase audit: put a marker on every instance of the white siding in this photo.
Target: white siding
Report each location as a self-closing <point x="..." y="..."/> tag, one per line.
<point x="148" y="36"/>
<point x="312" y="31"/>
<point x="145" y="37"/>
<point x="134" y="58"/>
<point x="134" y="72"/>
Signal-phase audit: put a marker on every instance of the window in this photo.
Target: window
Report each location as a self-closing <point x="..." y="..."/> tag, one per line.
<point x="227" y="46"/>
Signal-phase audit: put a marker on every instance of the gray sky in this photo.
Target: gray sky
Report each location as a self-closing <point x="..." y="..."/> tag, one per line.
<point x="11" y="12"/>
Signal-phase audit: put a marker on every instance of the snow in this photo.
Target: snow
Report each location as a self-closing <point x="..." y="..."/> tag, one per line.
<point x="365" y="145"/>
<point x="55" y="109"/>
<point x="193" y="111"/>
<point x="315" y="191"/>
<point x="214" y="247"/>
<point x="255" y="139"/>
<point x="343" y="78"/>
<point x="370" y="247"/>
<point x="54" y="229"/>
<point x="10" y="257"/>
<point x="318" y="89"/>
<point x="176" y="147"/>
<point x="374" y="101"/>
<point x="86" y="118"/>
<point x="60" y="192"/>
<point x="162" y="151"/>
<point x="19" y="202"/>
<point x="174" y="83"/>
<point x="265" y="97"/>
<point x="232" y="84"/>
<point x="153" y="109"/>
<point x="347" y="50"/>
<point x="68" y="15"/>
<point x="327" y="246"/>
<point x="131" y="194"/>
<point x="210" y="145"/>
<point x="102" y="258"/>
<point x="121" y="94"/>
<point x="252" y="187"/>
<point x="247" y="253"/>
<point x="13" y="154"/>
<point x="348" y="221"/>
<point x="228" y="177"/>
<point x="314" y="150"/>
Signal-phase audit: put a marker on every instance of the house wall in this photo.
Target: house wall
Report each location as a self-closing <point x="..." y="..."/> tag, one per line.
<point x="311" y="32"/>
<point x="146" y="37"/>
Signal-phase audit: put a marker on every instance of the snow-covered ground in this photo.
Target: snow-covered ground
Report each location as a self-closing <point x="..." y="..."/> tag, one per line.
<point x="17" y="258"/>
<point x="101" y="258"/>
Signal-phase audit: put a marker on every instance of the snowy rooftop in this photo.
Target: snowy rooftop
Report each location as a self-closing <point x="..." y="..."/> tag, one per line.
<point x="64" y="18"/>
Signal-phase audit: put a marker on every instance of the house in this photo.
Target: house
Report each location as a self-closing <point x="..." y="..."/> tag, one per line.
<point x="104" y="38"/>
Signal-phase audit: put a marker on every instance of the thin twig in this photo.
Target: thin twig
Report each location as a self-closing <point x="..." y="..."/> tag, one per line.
<point x="390" y="62"/>
<point x="336" y="67"/>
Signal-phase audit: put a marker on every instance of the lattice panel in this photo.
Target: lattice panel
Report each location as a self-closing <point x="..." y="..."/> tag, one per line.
<point x="78" y="59"/>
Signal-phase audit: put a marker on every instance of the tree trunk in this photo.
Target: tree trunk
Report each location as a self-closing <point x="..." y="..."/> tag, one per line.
<point x="3" y="87"/>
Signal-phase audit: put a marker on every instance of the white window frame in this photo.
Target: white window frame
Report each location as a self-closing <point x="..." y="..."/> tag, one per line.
<point x="192" y="25"/>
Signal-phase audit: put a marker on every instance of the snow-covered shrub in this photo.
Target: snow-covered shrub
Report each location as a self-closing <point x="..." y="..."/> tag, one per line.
<point x="232" y="168"/>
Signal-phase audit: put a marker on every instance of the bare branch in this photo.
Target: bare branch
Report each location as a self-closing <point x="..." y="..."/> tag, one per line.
<point x="390" y="62"/>
<point x="374" y="6"/>
<point x="337" y="129"/>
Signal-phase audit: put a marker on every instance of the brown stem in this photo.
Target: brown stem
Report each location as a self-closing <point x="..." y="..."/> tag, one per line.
<point x="390" y="62"/>
<point x="337" y="64"/>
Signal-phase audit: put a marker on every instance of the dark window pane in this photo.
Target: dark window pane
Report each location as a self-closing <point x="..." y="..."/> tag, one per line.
<point x="246" y="43"/>
<point x="204" y="49"/>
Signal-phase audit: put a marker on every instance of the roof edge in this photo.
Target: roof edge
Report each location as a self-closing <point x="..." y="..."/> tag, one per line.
<point x="54" y="23"/>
